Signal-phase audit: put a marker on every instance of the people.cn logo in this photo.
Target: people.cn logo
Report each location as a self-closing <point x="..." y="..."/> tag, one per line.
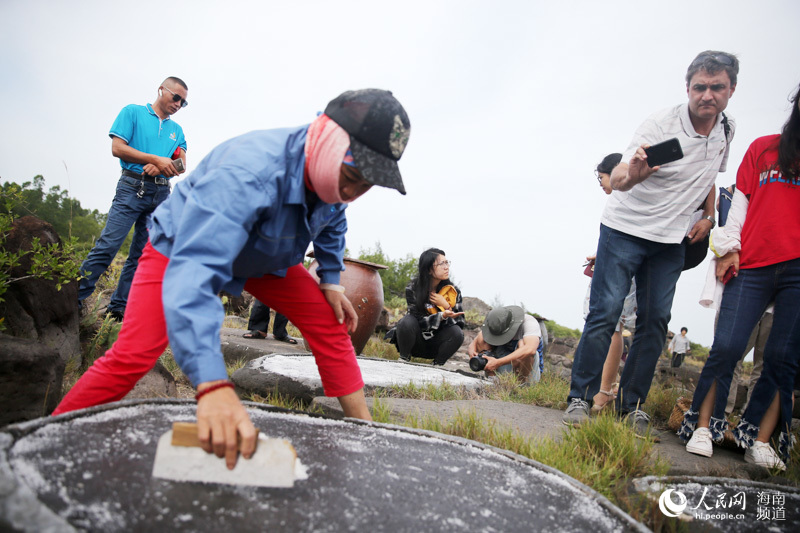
<point x="669" y="507"/>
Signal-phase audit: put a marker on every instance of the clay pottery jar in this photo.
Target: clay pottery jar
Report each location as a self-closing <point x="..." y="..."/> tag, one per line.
<point x="364" y="288"/>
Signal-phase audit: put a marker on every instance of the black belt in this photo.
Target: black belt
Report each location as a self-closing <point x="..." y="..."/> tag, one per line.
<point x="144" y="177"/>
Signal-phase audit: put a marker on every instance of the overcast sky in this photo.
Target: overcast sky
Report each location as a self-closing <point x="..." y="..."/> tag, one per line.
<point x="512" y="105"/>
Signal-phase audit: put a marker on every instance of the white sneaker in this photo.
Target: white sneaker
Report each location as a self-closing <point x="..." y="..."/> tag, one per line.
<point x="762" y="454"/>
<point x="700" y="443"/>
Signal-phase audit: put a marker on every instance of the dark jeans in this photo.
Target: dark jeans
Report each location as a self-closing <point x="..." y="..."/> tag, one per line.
<point x="498" y="352"/>
<point x="440" y="347"/>
<point x="656" y="268"/>
<point x="677" y="359"/>
<point x="259" y="320"/>
<point x="127" y="210"/>
<point x="743" y="303"/>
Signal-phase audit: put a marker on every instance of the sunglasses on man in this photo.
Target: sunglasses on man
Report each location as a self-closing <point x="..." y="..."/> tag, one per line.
<point x="722" y="59"/>
<point x="176" y="97"/>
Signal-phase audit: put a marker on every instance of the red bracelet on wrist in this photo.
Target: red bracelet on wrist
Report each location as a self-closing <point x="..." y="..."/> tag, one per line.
<point x="212" y="388"/>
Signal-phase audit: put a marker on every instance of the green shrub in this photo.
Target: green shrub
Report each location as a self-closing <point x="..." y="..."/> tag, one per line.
<point x="57" y="262"/>
<point x="396" y="303"/>
<point x="396" y="277"/>
<point x="557" y="330"/>
<point x="474" y="317"/>
<point x="698" y="350"/>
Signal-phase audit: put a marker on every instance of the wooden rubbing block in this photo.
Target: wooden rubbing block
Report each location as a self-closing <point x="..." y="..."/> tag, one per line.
<point x="179" y="458"/>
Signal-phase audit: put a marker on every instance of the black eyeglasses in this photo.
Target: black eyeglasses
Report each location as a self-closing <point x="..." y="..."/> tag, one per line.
<point x="177" y="98"/>
<point x="598" y="176"/>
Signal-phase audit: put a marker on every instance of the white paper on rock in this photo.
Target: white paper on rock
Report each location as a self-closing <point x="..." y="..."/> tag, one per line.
<point x="274" y="464"/>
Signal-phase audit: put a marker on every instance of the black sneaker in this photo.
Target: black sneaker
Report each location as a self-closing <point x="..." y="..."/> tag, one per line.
<point x="406" y="358"/>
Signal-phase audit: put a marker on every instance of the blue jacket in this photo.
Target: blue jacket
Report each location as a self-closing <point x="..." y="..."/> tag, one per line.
<point x="243" y="213"/>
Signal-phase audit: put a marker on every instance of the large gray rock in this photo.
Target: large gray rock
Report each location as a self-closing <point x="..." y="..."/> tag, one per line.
<point x="563" y="346"/>
<point x="297" y="376"/>
<point x="91" y="470"/>
<point x="558" y="364"/>
<point x="31" y="375"/>
<point x="384" y="320"/>
<point x="34" y="308"/>
<point x="683" y="376"/>
<point x="236" y="349"/>
<point x="158" y="383"/>
<point x="470" y="303"/>
<point x="237" y="305"/>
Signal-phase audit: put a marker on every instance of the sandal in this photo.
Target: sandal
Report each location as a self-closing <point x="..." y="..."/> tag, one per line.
<point x="288" y="340"/>
<point x="255" y="334"/>
<point x="610" y="397"/>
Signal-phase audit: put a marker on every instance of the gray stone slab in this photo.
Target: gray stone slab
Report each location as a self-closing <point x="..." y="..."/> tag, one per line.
<point x="158" y="383"/>
<point x="724" y="462"/>
<point x="724" y="504"/>
<point x="236" y="348"/>
<point x="92" y="469"/>
<point x="297" y="376"/>
<point x="530" y="420"/>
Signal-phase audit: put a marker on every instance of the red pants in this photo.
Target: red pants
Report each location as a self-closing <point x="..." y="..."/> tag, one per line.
<point x="143" y="336"/>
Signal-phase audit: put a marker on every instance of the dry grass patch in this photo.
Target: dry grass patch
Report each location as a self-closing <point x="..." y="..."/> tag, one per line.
<point x="603" y="453"/>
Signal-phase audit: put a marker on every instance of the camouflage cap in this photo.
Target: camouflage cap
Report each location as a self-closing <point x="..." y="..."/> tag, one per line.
<point x="379" y="130"/>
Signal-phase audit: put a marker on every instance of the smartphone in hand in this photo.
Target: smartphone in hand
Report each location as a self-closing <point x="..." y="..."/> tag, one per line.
<point x="664" y="152"/>
<point x="728" y="275"/>
<point x="589" y="270"/>
<point x="178" y="164"/>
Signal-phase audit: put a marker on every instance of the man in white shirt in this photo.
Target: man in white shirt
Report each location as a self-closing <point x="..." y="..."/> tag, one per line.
<point x="643" y="226"/>
<point x="679" y="346"/>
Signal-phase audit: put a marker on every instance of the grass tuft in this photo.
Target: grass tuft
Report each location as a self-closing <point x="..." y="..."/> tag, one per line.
<point x="430" y="391"/>
<point x="167" y="359"/>
<point x="661" y="400"/>
<point x="381" y="412"/>
<point x="551" y="391"/>
<point x="236" y="365"/>
<point x="279" y="400"/>
<point x="602" y="453"/>
<point x="377" y="347"/>
<point x="101" y="341"/>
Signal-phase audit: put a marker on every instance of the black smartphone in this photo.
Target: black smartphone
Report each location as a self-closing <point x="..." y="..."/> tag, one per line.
<point x="664" y="152"/>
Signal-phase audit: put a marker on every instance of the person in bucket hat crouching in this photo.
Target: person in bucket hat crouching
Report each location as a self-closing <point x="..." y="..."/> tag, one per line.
<point x="510" y="340"/>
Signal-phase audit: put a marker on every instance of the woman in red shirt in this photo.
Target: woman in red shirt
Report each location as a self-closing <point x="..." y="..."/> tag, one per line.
<point x="762" y="263"/>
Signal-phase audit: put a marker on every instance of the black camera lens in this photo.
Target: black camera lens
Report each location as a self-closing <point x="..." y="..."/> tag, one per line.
<point x="477" y="363"/>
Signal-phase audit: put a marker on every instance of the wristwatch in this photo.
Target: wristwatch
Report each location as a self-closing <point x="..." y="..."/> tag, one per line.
<point x="711" y="219"/>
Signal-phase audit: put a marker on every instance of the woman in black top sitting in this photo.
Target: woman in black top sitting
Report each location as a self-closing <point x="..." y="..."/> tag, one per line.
<point x="432" y="327"/>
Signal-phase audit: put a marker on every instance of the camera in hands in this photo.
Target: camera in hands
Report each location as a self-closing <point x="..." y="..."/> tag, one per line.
<point x="478" y="362"/>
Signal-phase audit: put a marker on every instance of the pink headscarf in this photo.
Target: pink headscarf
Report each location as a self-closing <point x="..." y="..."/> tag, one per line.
<point x="326" y="145"/>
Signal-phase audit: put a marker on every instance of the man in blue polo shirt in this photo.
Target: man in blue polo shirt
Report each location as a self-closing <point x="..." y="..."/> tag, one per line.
<point x="151" y="150"/>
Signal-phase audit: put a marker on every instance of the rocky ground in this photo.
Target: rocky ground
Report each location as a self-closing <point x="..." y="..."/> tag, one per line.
<point x="531" y="420"/>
